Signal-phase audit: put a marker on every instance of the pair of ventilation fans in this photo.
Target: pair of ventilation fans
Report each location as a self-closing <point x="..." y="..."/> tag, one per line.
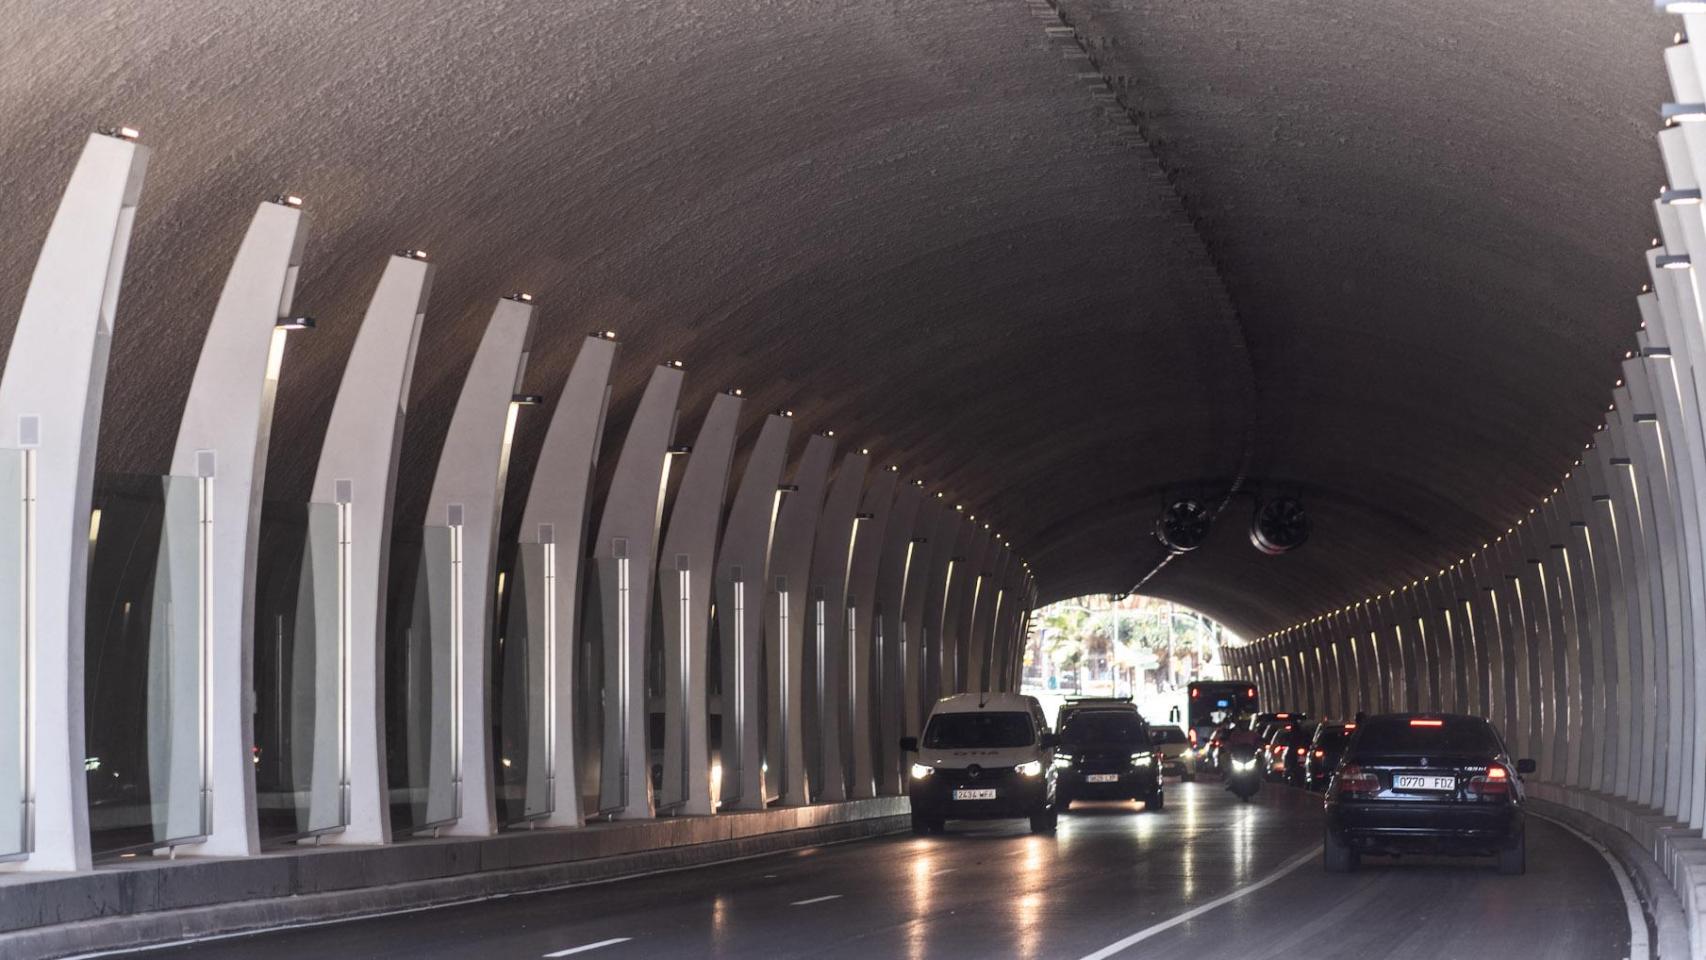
<point x="1278" y="526"/>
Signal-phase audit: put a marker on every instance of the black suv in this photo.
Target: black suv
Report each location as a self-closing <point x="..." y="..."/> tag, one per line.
<point x="1425" y="783"/>
<point x="1107" y="755"/>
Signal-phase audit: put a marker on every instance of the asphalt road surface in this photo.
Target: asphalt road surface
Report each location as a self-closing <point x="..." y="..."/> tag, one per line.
<point x="1208" y="877"/>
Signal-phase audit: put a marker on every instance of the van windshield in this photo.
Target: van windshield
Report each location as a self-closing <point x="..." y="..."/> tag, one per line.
<point x="972" y="731"/>
<point x="1108" y="726"/>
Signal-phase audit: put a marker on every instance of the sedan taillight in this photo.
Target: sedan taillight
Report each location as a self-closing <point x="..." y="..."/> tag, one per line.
<point x="1354" y="781"/>
<point x="1495" y="784"/>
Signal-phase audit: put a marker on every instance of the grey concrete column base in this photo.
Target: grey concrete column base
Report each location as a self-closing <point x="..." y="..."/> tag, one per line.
<point x="141" y="902"/>
<point x="1666" y="861"/>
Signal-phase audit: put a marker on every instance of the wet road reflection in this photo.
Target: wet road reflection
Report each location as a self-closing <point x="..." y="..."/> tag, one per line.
<point x="994" y="890"/>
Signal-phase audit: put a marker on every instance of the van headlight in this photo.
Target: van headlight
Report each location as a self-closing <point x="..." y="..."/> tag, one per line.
<point x="1030" y="768"/>
<point x="920" y="771"/>
<point x="1142" y="759"/>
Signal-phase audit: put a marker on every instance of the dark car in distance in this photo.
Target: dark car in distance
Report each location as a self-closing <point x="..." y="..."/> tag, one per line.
<point x="1324" y="752"/>
<point x="1107" y="755"/>
<point x="1425" y="783"/>
<point x="1294" y="755"/>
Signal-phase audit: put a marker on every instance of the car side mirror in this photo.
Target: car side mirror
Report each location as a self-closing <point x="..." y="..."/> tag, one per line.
<point x="1525" y="765"/>
<point x="909" y="744"/>
<point x="1050" y="741"/>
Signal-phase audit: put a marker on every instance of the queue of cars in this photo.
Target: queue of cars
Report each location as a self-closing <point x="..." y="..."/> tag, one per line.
<point x="1394" y="783"/>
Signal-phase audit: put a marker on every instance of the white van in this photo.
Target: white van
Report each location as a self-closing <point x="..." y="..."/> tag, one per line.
<point x="983" y="756"/>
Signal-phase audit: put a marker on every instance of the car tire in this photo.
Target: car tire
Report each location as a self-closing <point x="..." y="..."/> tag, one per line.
<point x="1155" y="802"/>
<point x="1063" y="804"/>
<point x="1187" y="778"/>
<point x="924" y="825"/>
<point x="1045" y="822"/>
<point x="1514" y="861"/>
<point x="1336" y="857"/>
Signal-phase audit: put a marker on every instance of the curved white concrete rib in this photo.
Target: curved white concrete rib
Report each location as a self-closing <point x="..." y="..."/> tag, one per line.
<point x="742" y="571"/>
<point x="467" y="496"/>
<point x="986" y="618"/>
<point x="825" y="660"/>
<point x="980" y="643"/>
<point x="894" y="645"/>
<point x="785" y="620"/>
<point x="50" y="406"/>
<point x="867" y="657"/>
<point x="919" y="577"/>
<point x="684" y="597"/>
<point x="223" y="439"/>
<point x="556" y="518"/>
<point x="358" y="472"/>
<point x="956" y="627"/>
<point x="944" y="539"/>
<point x="624" y="566"/>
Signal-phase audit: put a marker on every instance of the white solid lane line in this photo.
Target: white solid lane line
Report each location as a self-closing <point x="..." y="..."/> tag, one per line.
<point x="802" y="903"/>
<point x="1165" y="925"/>
<point x="1639" y="947"/>
<point x="590" y="946"/>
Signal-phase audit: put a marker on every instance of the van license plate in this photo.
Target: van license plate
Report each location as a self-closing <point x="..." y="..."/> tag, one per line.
<point x="1413" y="781"/>
<point x="985" y="794"/>
<point x="1102" y="778"/>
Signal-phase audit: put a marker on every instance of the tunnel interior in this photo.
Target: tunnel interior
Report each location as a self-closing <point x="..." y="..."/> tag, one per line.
<point x="828" y="341"/>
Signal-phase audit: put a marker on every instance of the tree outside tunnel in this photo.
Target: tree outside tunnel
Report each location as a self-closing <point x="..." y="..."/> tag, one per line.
<point x="1125" y="646"/>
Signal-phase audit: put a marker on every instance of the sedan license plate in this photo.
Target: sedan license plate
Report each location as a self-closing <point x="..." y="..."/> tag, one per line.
<point x="1102" y="778"/>
<point x="1417" y="781"/>
<point x="987" y="793"/>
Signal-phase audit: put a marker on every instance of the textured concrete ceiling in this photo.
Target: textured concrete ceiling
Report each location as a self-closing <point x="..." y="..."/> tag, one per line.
<point x="1379" y="254"/>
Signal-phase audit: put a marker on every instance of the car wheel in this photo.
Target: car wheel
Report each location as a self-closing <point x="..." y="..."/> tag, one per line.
<point x="924" y="825"/>
<point x="1514" y="861"/>
<point x="1336" y="857"/>
<point x="1187" y="778"/>
<point x="1045" y="822"/>
<point x="1063" y="804"/>
<point x="1154" y="802"/>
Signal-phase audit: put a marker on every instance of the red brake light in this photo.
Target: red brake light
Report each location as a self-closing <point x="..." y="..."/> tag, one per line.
<point x="1427" y="723"/>
<point x="1251" y="693"/>
<point x="1302" y="750"/>
<point x="1320" y="753"/>
<point x="1195" y="693"/>
<point x="1494" y="785"/>
<point x="1281" y="716"/>
<point x="1193" y="735"/>
<point x="1350" y="726"/>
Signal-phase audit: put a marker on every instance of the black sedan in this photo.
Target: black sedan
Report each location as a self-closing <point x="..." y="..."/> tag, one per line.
<point x="1425" y="783"/>
<point x="1325" y="751"/>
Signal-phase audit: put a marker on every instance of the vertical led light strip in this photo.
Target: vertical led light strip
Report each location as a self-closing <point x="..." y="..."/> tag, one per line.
<point x="740" y="677"/>
<point x="27" y="649"/>
<point x="204" y="645"/>
<point x="346" y="526"/>
<point x="549" y="553"/>
<point x="623" y="665"/>
<point x="456" y="639"/>
<point x="684" y="587"/>
<point x="783" y="675"/>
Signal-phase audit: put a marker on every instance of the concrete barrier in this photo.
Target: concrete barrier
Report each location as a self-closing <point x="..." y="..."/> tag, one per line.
<point x="150" y="901"/>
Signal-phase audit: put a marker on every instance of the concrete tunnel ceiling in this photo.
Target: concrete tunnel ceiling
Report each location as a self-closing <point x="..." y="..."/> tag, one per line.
<point x="1376" y="255"/>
